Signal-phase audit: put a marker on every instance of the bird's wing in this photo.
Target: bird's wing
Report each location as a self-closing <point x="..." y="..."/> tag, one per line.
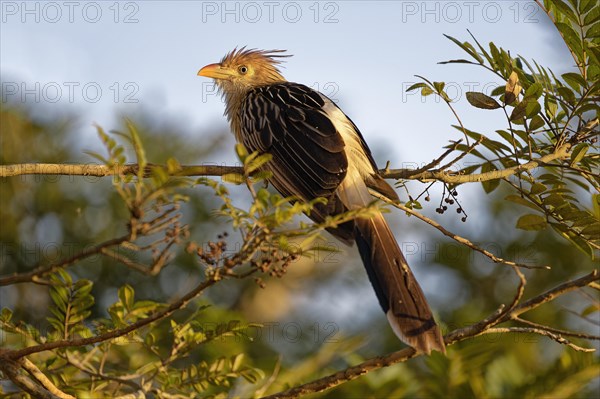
<point x="287" y="121"/>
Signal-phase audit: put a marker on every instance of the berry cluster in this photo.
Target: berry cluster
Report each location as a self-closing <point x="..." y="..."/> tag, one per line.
<point x="448" y="199"/>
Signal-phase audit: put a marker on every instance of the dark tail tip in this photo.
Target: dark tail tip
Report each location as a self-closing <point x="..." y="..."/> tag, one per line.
<point x="423" y="339"/>
<point x="396" y="287"/>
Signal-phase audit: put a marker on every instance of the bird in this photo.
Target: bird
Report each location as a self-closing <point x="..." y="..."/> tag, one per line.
<point x="317" y="151"/>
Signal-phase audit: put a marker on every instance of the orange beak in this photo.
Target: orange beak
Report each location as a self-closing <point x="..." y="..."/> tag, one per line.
<point x="215" y="71"/>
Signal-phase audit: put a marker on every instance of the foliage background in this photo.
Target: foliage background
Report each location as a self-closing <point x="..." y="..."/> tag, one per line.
<point x="46" y="217"/>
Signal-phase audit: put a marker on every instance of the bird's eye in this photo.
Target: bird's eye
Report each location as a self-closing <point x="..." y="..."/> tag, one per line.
<point x="243" y="69"/>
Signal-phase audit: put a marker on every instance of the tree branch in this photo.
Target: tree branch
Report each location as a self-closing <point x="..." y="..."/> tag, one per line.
<point x="539" y="331"/>
<point x="95" y="170"/>
<point x="182" y="302"/>
<point x="40" y="271"/>
<point x="453" y="178"/>
<point x="11" y="368"/>
<point x="43" y="380"/>
<point x="483" y="327"/>
<point x="216" y="170"/>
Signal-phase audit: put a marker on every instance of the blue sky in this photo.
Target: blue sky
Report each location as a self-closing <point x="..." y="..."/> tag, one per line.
<point x="97" y="57"/>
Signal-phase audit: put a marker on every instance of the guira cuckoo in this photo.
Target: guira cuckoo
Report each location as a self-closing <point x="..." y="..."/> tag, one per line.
<point x="317" y="151"/>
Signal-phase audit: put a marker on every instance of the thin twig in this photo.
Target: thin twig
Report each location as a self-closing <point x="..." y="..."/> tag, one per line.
<point x="456" y="237"/>
<point x="126" y="261"/>
<point x="544" y="332"/>
<point x="11" y="369"/>
<point x="41" y="271"/>
<point x="166" y="312"/>
<point x="102" y="376"/>
<point x="555" y="292"/>
<point x="462" y="154"/>
<point x="95" y="170"/>
<point x="209" y="170"/>
<point x="430" y="165"/>
<point x="561" y="152"/>
<point x="43" y="380"/>
<point x="556" y="330"/>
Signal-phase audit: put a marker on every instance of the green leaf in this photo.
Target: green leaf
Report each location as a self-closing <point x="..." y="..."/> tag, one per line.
<point x="519" y="111"/>
<point x="591" y="309"/>
<point x="425" y="91"/>
<point x="469" y="49"/>
<point x="538" y="188"/>
<point x="592" y="231"/>
<point x="509" y="138"/>
<point x="140" y="153"/>
<point x="591" y="106"/>
<point x="257" y="162"/>
<point x="489" y="185"/>
<point x="416" y="86"/>
<point x="567" y="94"/>
<point x="234" y="178"/>
<point x="532" y="222"/>
<point x="592" y="16"/>
<point x="482" y="49"/>
<point x="554" y="200"/>
<point x="579" y="242"/>
<point x="532" y="108"/>
<point x="480" y="100"/>
<point x="566" y="10"/>
<point x="586" y="5"/>
<point x="262" y="175"/>
<point x="571" y="38"/>
<point x="575" y="80"/>
<point x="496" y="55"/>
<point x="5" y="315"/>
<point x="593" y="31"/>
<point x="578" y="153"/>
<point x="439" y="86"/>
<point x="241" y="152"/>
<point x="534" y="91"/>
<point x="236" y="361"/>
<point x="126" y="294"/>
<point x="498" y="91"/>
<point x="550" y="106"/>
<point x="536" y="123"/>
<point x="460" y="61"/>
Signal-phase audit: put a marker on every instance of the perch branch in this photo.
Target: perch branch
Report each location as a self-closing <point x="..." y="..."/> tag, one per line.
<point x="461" y="334"/>
<point x="93" y="170"/>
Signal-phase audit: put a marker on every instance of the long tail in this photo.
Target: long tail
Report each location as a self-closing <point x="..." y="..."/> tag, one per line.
<point x="398" y="292"/>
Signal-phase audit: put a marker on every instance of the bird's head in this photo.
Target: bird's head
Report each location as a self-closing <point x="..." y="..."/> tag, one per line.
<point x="242" y="69"/>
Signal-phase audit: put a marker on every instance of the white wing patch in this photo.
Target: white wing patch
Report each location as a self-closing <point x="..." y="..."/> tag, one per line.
<point x="357" y="159"/>
<point x="353" y="190"/>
